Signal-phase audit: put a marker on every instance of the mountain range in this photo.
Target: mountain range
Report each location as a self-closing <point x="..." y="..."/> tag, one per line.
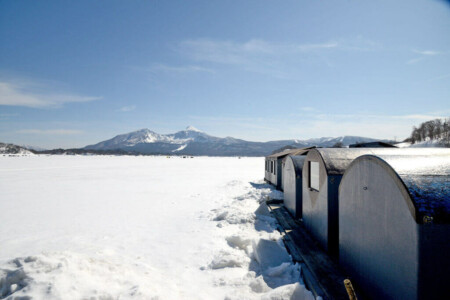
<point x="192" y="141"/>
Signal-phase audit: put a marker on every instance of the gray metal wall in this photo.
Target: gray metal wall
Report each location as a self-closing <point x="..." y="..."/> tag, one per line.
<point x="315" y="203"/>
<point x="378" y="237"/>
<point x="274" y="179"/>
<point x="293" y="192"/>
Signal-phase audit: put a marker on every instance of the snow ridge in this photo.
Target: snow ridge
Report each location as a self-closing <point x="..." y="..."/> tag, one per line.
<point x="256" y="248"/>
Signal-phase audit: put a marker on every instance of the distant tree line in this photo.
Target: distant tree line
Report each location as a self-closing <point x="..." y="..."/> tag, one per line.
<point x="438" y="129"/>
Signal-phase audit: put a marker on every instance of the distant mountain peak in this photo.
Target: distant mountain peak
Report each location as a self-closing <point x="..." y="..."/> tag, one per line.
<point x="192" y="128"/>
<point x="195" y="142"/>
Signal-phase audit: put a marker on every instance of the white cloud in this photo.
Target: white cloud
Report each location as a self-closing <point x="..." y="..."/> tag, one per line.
<point x="279" y="60"/>
<point x="127" y="108"/>
<point x="423" y="55"/>
<point x="415" y="60"/>
<point x="257" y="56"/>
<point x="181" y="69"/>
<point x="50" y="131"/>
<point x="229" y="52"/>
<point x="313" y="125"/>
<point x="419" y="117"/>
<point x="427" y="52"/>
<point x="21" y="94"/>
<point x="376" y="126"/>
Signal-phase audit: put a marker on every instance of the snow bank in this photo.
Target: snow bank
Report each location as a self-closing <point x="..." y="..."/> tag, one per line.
<point x="256" y="249"/>
<point x="66" y="275"/>
<point x="104" y="227"/>
<point x="437" y="143"/>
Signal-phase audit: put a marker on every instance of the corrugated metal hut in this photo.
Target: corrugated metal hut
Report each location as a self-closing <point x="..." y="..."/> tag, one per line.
<point x="274" y="166"/>
<point x="292" y="181"/>
<point x="322" y="173"/>
<point x="394" y="232"/>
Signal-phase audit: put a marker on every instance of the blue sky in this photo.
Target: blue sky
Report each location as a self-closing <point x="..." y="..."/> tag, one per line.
<point x="74" y="73"/>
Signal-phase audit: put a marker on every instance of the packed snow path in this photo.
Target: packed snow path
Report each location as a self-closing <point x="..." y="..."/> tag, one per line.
<point x="106" y="227"/>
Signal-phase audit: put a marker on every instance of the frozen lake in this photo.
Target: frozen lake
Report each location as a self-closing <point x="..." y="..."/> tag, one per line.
<point x="120" y="227"/>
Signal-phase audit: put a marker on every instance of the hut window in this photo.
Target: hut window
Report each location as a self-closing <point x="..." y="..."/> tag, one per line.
<point x="314" y="175"/>
<point x="271" y="166"/>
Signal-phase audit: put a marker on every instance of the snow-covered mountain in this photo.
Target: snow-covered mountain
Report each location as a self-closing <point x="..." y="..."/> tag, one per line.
<point x="144" y="138"/>
<point x="14" y="149"/>
<point x="195" y="142"/>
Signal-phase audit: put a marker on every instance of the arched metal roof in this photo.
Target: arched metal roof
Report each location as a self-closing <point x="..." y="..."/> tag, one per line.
<point x="426" y="179"/>
<point x="337" y="160"/>
<point x="298" y="151"/>
<point x="297" y="161"/>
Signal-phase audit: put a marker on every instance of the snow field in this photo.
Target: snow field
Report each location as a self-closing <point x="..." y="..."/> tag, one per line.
<point x="107" y="227"/>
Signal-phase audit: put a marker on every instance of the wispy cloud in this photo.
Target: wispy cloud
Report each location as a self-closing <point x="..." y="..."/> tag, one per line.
<point x="230" y="52"/>
<point x="22" y="93"/>
<point x="420" y="117"/>
<point x="424" y="54"/>
<point x="50" y="131"/>
<point x="427" y="52"/>
<point x="181" y="69"/>
<point x="127" y="108"/>
<point x="313" y="125"/>
<point x="279" y="60"/>
<point x="414" y="60"/>
<point x="359" y="116"/>
<point x="257" y="56"/>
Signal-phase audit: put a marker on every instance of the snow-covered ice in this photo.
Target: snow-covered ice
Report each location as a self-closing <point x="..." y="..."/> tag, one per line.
<point x="120" y="227"/>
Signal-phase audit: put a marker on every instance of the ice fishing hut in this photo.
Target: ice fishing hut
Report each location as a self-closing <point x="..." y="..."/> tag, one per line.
<point x="292" y="181"/>
<point x="322" y="172"/>
<point x="394" y="232"/>
<point x="274" y="162"/>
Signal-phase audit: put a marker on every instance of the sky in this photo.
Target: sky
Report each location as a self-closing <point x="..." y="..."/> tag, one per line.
<point x="74" y="73"/>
